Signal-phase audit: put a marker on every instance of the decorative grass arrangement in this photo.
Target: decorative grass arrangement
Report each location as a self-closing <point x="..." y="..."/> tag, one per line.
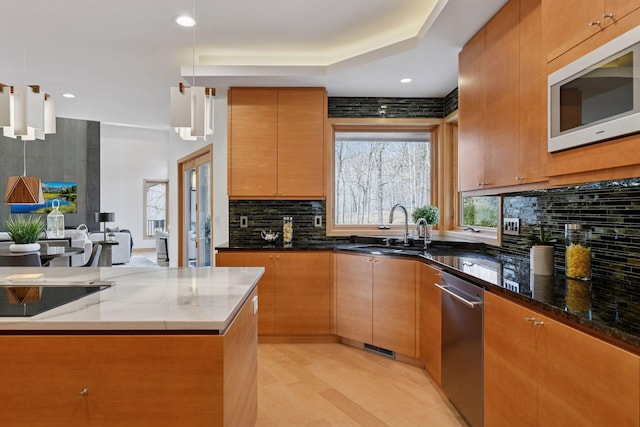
<point x="25" y="229"/>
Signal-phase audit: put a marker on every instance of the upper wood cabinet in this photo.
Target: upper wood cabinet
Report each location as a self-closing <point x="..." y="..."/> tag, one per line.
<point x="561" y="375"/>
<point x="567" y="23"/>
<point x="276" y="143"/>
<point x="606" y="160"/>
<point x="471" y="111"/>
<point x="502" y="101"/>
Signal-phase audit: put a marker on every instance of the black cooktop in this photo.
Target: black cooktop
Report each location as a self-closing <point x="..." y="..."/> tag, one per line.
<point x="25" y="300"/>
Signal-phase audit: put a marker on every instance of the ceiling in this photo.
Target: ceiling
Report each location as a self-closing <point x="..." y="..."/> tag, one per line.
<point x="120" y="57"/>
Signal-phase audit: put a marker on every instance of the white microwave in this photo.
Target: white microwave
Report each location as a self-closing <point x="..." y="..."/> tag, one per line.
<point x="596" y="97"/>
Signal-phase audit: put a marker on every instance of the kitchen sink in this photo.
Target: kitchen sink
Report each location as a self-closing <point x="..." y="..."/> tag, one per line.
<point x="385" y="250"/>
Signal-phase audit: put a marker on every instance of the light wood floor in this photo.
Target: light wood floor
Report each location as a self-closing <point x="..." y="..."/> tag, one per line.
<point x="338" y="385"/>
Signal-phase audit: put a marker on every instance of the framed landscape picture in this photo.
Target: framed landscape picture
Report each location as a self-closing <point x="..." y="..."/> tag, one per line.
<point x="65" y="192"/>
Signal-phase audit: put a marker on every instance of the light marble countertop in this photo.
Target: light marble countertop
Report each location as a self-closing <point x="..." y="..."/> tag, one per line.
<point x="148" y="299"/>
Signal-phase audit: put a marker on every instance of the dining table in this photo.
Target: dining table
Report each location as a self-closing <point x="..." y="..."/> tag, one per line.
<point x="49" y="252"/>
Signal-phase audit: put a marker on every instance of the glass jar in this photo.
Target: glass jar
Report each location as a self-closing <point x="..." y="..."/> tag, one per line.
<point x="55" y="221"/>
<point x="578" y="251"/>
<point x="287" y="230"/>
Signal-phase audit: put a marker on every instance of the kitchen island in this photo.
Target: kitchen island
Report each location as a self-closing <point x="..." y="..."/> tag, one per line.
<point x="150" y="346"/>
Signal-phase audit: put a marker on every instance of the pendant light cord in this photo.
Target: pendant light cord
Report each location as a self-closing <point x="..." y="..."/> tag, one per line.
<point x="193" y="47"/>
<point x="24" y="158"/>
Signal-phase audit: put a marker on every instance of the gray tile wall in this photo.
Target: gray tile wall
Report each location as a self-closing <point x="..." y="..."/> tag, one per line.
<point x="71" y="154"/>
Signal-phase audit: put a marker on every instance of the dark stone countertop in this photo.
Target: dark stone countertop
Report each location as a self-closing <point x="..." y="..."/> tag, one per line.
<point x="606" y="307"/>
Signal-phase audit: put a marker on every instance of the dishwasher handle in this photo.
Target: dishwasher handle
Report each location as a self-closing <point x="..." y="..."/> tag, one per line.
<point x="465" y="301"/>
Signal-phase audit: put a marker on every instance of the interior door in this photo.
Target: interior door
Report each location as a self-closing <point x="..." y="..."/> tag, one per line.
<point x="195" y="195"/>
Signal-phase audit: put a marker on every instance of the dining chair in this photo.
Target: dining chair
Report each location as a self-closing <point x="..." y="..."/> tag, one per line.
<point x="31" y="259"/>
<point x="95" y="256"/>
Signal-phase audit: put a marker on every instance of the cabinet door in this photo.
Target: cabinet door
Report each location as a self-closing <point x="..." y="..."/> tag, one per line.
<point x="303" y="293"/>
<point x="566" y="23"/>
<point x="127" y="380"/>
<point x="532" y="145"/>
<point x="354" y="297"/>
<point x="301" y="115"/>
<point x="471" y="101"/>
<point x="430" y="321"/>
<point x="253" y="132"/>
<point x="510" y="364"/>
<point x="394" y="305"/>
<point x="619" y="9"/>
<point x="266" y="285"/>
<point x="502" y="97"/>
<point x="585" y="381"/>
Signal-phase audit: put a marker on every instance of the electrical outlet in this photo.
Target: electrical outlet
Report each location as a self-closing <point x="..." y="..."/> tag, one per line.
<point x="511" y="226"/>
<point x="244" y="221"/>
<point x="317" y="221"/>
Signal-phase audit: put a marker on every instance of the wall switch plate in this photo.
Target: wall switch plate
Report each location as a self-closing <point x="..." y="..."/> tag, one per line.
<point x="244" y="221"/>
<point x="511" y="226"/>
<point x="511" y="285"/>
<point x="317" y="221"/>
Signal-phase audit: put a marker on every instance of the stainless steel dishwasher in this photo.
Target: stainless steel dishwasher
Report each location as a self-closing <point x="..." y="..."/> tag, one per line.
<point x="462" y="346"/>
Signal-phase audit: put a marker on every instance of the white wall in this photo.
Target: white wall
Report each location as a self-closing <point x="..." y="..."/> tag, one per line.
<point x="129" y="155"/>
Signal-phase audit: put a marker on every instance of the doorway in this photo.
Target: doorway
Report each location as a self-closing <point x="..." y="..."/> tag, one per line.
<point x="195" y="188"/>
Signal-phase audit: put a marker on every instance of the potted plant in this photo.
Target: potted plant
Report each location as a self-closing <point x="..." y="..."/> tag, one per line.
<point x="541" y="250"/>
<point x="430" y="214"/>
<point x="25" y="232"/>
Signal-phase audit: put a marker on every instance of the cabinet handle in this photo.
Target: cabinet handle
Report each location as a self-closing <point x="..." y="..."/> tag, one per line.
<point x="594" y="23"/>
<point x="466" y="302"/>
<point x="608" y="15"/>
<point x="529" y="319"/>
<point x="519" y="178"/>
<point x="482" y="184"/>
<point x="538" y="323"/>
<point x="84" y="392"/>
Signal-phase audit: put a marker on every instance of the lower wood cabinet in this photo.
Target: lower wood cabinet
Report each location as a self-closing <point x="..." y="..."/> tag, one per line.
<point x="131" y="380"/>
<point x="540" y="372"/>
<point x="294" y="294"/>
<point x="430" y="324"/>
<point x="376" y="301"/>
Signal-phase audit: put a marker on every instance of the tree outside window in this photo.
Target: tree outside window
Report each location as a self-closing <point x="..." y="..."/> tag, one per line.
<point x="156" y="207"/>
<point x="375" y="170"/>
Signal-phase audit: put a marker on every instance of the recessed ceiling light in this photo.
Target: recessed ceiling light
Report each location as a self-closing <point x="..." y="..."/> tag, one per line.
<point x="185" y="21"/>
<point x="406" y="80"/>
<point x="68" y="95"/>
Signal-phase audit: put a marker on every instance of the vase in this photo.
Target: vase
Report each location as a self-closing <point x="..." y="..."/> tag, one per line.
<point x="24" y="247"/>
<point x="541" y="260"/>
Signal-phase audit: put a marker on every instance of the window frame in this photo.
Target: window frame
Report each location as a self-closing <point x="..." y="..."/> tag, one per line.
<point x="376" y="124"/>
<point x="452" y="198"/>
<point x="145" y="186"/>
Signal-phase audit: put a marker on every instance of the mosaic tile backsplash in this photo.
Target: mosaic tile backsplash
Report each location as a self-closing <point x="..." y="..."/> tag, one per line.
<point x="360" y="107"/>
<point x="267" y="215"/>
<point x="610" y="208"/>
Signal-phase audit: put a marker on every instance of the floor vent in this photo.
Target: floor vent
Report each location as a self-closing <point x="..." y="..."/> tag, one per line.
<point x="379" y="350"/>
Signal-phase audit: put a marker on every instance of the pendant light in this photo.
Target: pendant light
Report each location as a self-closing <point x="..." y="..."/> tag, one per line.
<point x="26" y="112"/>
<point x="24" y="189"/>
<point x="192" y="107"/>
